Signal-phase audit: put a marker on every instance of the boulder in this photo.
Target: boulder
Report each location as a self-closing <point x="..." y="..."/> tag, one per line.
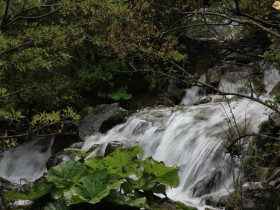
<point x="113" y="145"/>
<point x="213" y="76"/>
<point x="260" y="196"/>
<point x="274" y="120"/>
<point x="92" y="123"/>
<point x="176" y="95"/>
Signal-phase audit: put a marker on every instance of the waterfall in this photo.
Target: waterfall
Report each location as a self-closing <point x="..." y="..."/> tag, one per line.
<point x="26" y="162"/>
<point x="193" y="138"/>
<point x="190" y="137"/>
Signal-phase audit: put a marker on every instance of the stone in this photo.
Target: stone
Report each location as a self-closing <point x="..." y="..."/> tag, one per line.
<point x="176" y="95"/>
<point x="204" y="101"/>
<point x="274" y="120"/>
<point x="260" y="196"/>
<point x="276" y="89"/>
<point x="207" y="183"/>
<point x="91" y="123"/>
<point x="214" y="75"/>
<point x="113" y="145"/>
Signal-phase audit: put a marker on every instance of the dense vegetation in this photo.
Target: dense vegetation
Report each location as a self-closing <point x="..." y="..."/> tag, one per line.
<point x="59" y="53"/>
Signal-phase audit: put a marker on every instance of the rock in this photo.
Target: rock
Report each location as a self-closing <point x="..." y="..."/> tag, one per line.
<point x="260" y="196"/>
<point x="113" y="145"/>
<point x="204" y="101"/>
<point x="216" y="201"/>
<point x="276" y="89"/>
<point x="207" y="183"/>
<point x="91" y="123"/>
<point x="213" y="76"/>
<point x="274" y="120"/>
<point x="116" y="119"/>
<point x="176" y="95"/>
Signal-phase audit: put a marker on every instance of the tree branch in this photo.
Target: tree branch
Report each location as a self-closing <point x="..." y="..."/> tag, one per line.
<point x="8" y="2"/>
<point x="24" y="44"/>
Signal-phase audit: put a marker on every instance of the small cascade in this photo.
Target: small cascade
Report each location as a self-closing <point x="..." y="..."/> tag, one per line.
<point x="26" y="162"/>
<point x="234" y="82"/>
<point x="271" y="78"/>
<point x="194" y="93"/>
<point x="191" y="137"/>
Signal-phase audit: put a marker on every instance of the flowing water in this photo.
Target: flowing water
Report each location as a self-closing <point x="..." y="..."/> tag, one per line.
<point x="26" y="162"/>
<point x="193" y="138"/>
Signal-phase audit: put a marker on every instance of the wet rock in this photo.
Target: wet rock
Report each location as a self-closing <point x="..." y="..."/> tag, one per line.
<point x="92" y="122"/>
<point x="204" y="101"/>
<point x="176" y="95"/>
<point x="115" y="119"/>
<point x="207" y="183"/>
<point x="260" y="196"/>
<point x="113" y="145"/>
<point x="214" y="75"/>
<point x="275" y="90"/>
<point x="216" y="201"/>
<point x="274" y="120"/>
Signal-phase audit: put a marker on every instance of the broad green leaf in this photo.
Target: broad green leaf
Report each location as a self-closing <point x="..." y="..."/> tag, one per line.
<point x="164" y="174"/>
<point x="146" y="182"/>
<point x="66" y="174"/>
<point x="123" y="163"/>
<point x="95" y="163"/>
<point x="93" y="188"/>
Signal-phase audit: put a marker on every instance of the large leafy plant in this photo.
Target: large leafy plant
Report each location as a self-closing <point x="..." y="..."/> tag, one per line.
<point x="120" y="178"/>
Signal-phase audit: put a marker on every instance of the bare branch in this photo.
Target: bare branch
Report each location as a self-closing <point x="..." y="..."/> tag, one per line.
<point x="236" y="20"/>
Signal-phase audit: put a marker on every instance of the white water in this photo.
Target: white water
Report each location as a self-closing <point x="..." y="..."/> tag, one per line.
<point x="26" y="162"/>
<point x="191" y="137"/>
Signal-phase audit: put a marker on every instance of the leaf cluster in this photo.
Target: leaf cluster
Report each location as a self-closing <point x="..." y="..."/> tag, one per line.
<point x="121" y="178"/>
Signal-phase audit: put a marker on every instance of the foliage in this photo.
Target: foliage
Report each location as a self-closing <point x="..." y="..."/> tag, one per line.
<point x="99" y="178"/>
<point x="120" y="94"/>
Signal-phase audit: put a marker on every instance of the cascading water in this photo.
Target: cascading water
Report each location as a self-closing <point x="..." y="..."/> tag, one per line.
<point x="192" y="137"/>
<point x="26" y="162"/>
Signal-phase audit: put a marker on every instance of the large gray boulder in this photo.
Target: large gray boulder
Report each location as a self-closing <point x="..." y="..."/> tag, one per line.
<point x="102" y="118"/>
<point x="260" y="196"/>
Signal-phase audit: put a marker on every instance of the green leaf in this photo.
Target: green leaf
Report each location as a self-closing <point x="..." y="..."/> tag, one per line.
<point x="164" y="174"/>
<point x="95" y="163"/>
<point x="93" y="188"/>
<point x="123" y="163"/>
<point x="67" y="174"/>
<point x="120" y="94"/>
<point x="177" y="56"/>
<point x="79" y="153"/>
